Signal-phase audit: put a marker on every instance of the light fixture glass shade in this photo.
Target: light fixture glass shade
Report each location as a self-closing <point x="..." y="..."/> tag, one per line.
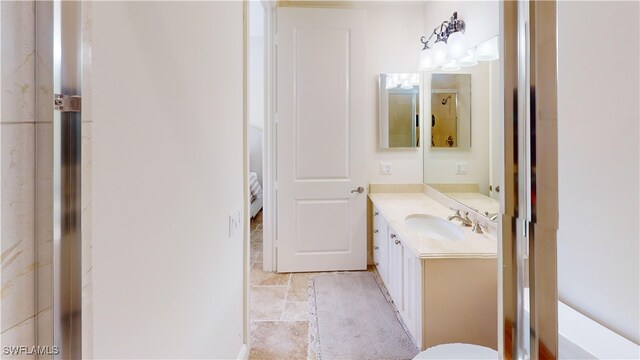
<point x="456" y="46"/>
<point x="415" y="79"/>
<point x="451" y="65"/>
<point x="488" y="50"/>
<point x="426" y="60"/>
<point x="391" y="81"/>
<point x="439" y="53"/>
<point x="470" y="59"/>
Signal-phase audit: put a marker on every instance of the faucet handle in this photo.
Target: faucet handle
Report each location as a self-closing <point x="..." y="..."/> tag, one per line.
<point x="477" y="228"/>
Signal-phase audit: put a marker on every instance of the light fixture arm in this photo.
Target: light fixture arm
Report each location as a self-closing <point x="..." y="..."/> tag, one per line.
<point x="444" y="30"/>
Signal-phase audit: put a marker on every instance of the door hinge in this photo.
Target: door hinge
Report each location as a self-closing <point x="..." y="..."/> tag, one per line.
<point x="67" y="103"/>
<point x="275" y="185"/>
<point x="275" y="39"/>
<point x="525" y="237"/>
<point x="276" y="118"/>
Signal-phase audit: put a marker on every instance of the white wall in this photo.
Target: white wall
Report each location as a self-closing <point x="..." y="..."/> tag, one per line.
<point x="394" y="32"/>
<point x="167" y="169"/>
<point x="256" y="64"/>
<point x="440" y="165"/>
<point x="598" y="111"/>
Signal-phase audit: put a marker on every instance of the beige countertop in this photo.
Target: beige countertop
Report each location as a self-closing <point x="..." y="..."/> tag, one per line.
<point x="395" y="207"/>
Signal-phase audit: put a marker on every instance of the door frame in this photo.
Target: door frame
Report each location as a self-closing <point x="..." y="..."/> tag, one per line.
<point x="269" y="207"/>
<point x="268" y="137"/>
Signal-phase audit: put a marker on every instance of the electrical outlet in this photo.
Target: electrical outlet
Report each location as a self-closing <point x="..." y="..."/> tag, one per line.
<point x="235" y="221"/>
<point x="385" y="168"/>
<point x="461" y="169"/>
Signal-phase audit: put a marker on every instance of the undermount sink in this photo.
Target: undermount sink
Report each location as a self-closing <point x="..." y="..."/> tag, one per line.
<point x="434" y="227"/>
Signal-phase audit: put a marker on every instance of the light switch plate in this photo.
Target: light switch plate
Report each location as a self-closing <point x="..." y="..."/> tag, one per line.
<point x="235" y="221"/>
<point x="385" y="168"/>
<point x="461" y="169"/>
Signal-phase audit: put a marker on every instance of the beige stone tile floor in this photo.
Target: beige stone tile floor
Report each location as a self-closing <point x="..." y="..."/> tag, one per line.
<point x="279" y="307"/>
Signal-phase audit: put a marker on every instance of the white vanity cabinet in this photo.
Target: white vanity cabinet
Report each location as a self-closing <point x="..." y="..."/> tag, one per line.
<point x="394" y="282"/>
<point x="441" y="299"/>
<point x="405" y="284"/>
<point x="380" y="244"/>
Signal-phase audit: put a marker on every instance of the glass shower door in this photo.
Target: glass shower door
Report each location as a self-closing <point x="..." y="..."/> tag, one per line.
<point x="530" y="221"/>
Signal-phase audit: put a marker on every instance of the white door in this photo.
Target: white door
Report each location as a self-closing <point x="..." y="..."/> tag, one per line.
<point x="321" y="223"/>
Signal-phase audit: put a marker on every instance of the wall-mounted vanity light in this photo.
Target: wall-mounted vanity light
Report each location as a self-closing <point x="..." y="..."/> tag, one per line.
<point x="404" y="81"/>
<point x="450" y="50"/>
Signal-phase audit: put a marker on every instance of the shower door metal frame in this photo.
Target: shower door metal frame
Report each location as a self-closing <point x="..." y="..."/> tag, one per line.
<point x="530" y="219"/>
<point x="59" y="29"/>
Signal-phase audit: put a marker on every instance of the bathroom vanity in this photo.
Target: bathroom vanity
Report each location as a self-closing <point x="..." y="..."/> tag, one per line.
<point x="441" y="276"/>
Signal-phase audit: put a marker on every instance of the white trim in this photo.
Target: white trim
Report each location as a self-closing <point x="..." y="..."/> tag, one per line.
<point x="243" y="354"/>
<point x="268" y="153"/>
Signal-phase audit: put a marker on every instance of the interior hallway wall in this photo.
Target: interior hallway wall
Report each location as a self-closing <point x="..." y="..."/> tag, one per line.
<point x="598" y="169"/>
<point x="167" y="172"/>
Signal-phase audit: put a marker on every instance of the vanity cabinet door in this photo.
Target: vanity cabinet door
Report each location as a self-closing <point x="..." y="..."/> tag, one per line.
<point x="405" y="284"/>
<point x="380" y="242"/>
<point x="395" y="270"/>
<point x="412" y="294"/>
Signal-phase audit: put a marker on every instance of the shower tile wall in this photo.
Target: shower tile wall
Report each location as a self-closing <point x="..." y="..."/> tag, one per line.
<point x="17" y="174"/>
<point x="44" y="174"/>
<point x="86" y="181"/>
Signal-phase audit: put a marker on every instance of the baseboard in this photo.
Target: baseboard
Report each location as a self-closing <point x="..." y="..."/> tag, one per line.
<point x="243" y="354"/>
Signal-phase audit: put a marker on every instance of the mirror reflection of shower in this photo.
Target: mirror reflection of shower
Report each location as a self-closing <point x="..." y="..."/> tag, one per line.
<point x="450" y="111"/>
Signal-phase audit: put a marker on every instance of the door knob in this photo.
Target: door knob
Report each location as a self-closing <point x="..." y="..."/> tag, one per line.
<point x="359" y="190"/>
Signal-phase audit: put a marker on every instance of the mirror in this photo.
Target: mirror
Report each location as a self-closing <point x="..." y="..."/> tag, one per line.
<point x="467" y="172"/>
<point x="451" y="111"/>
<point x="399" y="100"/>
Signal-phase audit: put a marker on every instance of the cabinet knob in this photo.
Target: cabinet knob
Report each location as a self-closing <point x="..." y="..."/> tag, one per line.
<point x="397" y="242"/>
<point x="393" y="236"/>
<point x="375" y="263"/>
<point x="375" y="231"/>
<point x="375" y="213"/>
<point x="375" y="248"/>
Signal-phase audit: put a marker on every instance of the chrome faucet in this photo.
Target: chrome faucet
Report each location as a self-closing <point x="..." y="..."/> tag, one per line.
<point x="465" y="220"/>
